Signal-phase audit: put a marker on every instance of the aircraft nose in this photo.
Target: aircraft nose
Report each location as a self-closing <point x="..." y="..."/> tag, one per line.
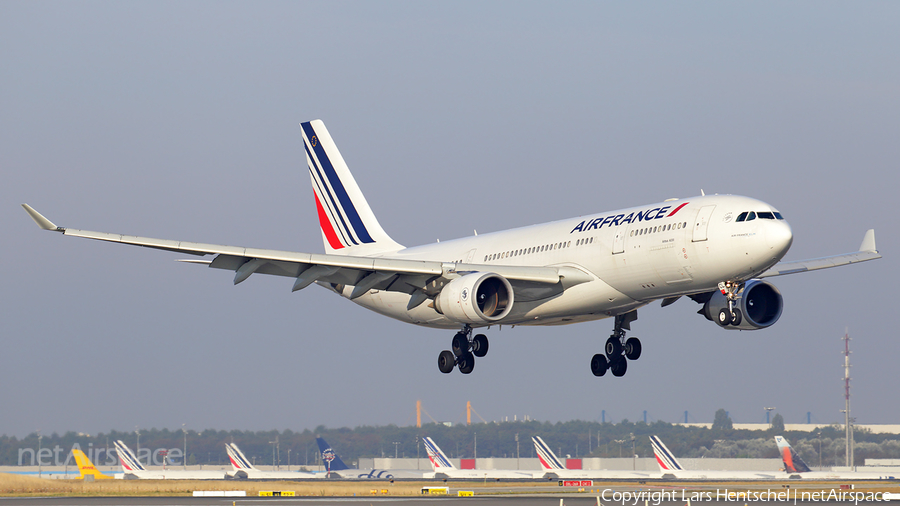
<point x="779" y="237"/>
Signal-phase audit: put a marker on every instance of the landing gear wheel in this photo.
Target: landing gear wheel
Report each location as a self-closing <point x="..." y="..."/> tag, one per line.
<point x="446" y="361"/>
<point x="480" y="345"/>
<point x="599" y="364"/>
<point x="724" y="318"/>
<point x="460" y="344"/>
<point x="619" y="367"/>
<point x="613" y="348"/>
<point x="736" y="317"/>
<point x="466" y="363"/>
<point x="633" y="348"/>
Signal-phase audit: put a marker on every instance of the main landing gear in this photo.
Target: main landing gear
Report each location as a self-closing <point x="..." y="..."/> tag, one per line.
<point x="618" y="350"/>
<point x="730" y="315"/>
<point x="464" y="350"/>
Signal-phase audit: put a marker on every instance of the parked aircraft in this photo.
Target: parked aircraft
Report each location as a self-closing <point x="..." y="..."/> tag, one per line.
<point x="134" y="470"/>
<point x="554" y="470"/>
<point x="445" y="470"/>
<point x="87" y="468"/>
<point x="715" y="249"/>
<point x="672" y="469"/>
<point x="797" y="469"/>
<point x="335" y="467"/>
<point x="245" y="470"/>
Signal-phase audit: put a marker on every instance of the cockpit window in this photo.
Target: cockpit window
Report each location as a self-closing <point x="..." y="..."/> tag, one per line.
<point x="742" y="216"/>
<point x="751" y="216"/>
<point x="766" y="215"/>
<point x="778" y="216"/>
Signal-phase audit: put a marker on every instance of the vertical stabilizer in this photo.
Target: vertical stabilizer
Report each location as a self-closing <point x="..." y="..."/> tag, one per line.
<point x="548" y="459"/>
<point x="439" y="461"/>
<point x="238" y="460"/>
<point x="665" y="458"/>
<point x="792" y="461"/>
<point x="349" y="226"/>
<point x="330" y="459"/>
<point x="86" y="467"/>
<point x="129" y="460"/>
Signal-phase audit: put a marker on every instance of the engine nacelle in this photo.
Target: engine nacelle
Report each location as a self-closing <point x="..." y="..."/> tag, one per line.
<point x="477" y="298"/>
<point x="760" y="304"/>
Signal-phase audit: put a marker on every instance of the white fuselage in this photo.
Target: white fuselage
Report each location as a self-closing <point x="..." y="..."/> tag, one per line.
<point x="632" y="256"/>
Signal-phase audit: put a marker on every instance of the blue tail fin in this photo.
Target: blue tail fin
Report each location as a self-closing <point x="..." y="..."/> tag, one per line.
<point x="329" y="458"/>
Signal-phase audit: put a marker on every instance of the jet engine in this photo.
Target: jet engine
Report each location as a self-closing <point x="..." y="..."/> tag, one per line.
<point x="477" y="298"/>
<point x="760" y="304"/>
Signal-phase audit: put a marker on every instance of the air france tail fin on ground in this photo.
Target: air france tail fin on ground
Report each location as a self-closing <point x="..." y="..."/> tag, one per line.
<point x="792" y="461"/>
<point x="86" y="467"/>
<point x="545" y="455"/>
<point x="349" y="226"/>
<point x="238" y="460"/>
<point x="665" y="458"/>
<point x="438" y="460"/>
<point x="128" y="459"/>
<point x="330" y="459"/>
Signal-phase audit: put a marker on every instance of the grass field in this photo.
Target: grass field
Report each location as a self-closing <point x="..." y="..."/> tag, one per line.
<point x="24" y="486"/>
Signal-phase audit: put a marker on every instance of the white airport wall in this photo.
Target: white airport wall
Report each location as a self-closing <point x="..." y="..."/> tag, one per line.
<point x="530" y="464"/>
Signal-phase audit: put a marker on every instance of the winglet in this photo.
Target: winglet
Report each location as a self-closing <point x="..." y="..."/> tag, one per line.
<point x="38" y="218"/>
<point x="868" y="243"/>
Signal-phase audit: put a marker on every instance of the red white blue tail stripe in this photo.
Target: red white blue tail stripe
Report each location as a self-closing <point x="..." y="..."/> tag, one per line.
<point x="437" y="457"/>
<point x="665" y="459"/>
<point x="237" y="458"/>
<point x="128" y="460"/>
<point x="344" y="215"/>
<point x="545" y="455"/>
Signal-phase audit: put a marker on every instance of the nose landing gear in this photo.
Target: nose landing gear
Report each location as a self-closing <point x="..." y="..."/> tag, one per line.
<point x="464" y="350"/>
<point x="730" y="315"/>
<point x="618" y="350"/>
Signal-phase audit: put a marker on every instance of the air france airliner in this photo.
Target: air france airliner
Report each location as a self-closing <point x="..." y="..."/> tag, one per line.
<point x="243" y="469"/>
<point x="554" y="469"/>
<point x="671" y="468"/>
<point x="715" y="249"/>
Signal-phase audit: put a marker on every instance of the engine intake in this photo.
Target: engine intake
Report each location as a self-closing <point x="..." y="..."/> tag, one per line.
<point x="760" y="304"/>
<point x="477" y="298"/>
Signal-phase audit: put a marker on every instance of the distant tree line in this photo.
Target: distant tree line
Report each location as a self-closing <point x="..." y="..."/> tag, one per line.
<point x="494" y="439"/>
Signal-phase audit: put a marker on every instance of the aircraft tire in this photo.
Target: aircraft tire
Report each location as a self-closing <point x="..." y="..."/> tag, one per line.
<point x="619" y="367"/>
<point x="724" y="318"/>
<point x="480" y="345"/>
<point x="613" y="348"/>
<point x="460" y="344"/>
<point x="599" y="364"/>
<point x="633" y="348"/>
<point x="446" y="361"/>
<point x="736" y="317"/>
<point x="466" y="363"/>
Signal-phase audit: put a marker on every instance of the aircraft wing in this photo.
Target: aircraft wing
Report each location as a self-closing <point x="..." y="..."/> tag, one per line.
<point x="867" y="251"/>
<point x="420" y="277"/>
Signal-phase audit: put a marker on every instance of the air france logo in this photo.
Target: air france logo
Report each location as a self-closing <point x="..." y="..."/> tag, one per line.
<point x="465" y="294"/>
<point x="620" y="219"/>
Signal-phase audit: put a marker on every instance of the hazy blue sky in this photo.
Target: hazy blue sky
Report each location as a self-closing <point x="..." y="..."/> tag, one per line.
<point x="180" y="121"/>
